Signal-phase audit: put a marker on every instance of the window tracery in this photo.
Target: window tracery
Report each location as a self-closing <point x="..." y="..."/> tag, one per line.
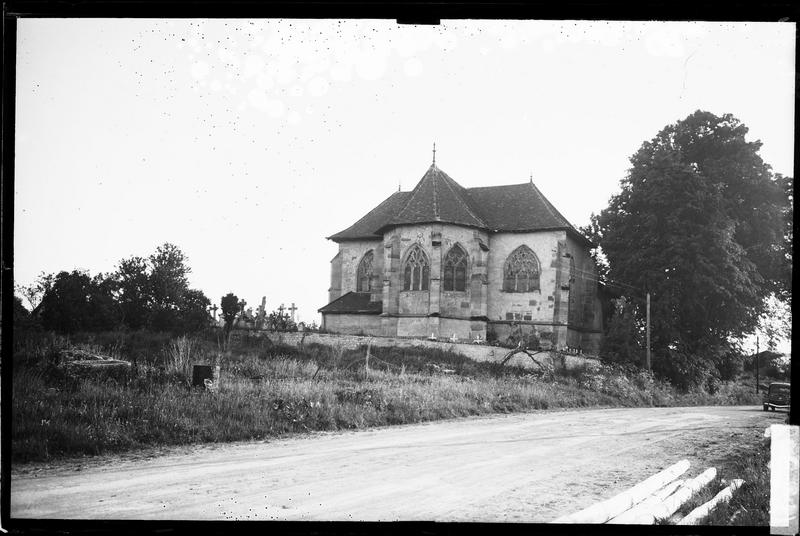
<point x="521" y="273"/>
<point x="455" y="269"/>
<point x="364" y="273"/>
<point x="416" y="272"/>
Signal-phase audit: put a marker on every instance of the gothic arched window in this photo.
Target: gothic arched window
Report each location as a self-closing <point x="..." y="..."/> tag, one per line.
<point x="521" y="273"/>
<point x="416" y="271"/>
<point x="455" y="269"/>
<point x="364" y="273"/>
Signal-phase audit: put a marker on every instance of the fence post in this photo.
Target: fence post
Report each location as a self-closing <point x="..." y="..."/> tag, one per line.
<point x="366" y="360"/>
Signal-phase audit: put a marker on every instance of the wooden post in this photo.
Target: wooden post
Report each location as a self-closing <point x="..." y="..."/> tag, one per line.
<point x="366" y="361"/>
<point x="693" y="517"/>
<point x="647" y="358"/>
<point x="629" y="516"/>
<point x="757" y="365"/>
<point x="672" y="503"/>
<point x="611" y="508"/>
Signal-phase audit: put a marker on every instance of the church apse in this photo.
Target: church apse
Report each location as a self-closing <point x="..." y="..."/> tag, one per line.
<point x="446" y="261"/>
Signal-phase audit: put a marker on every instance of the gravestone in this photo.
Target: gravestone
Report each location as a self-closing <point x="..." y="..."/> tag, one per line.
<point x="205" y="376"/>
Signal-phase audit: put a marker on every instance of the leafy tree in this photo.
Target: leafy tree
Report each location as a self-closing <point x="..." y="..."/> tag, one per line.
<point x="34" y="292"/>
<point x="76" y="301"/>
<point x="230" y="308"/>
<point x="194" y="310"/>
<point x="168" y="281"/>
<point x="784" y="290"/>
<point x="623" y="339"/>
<point x="133" y="291"/>
<point x="22" y="318"/>
<point x="154" y="292"/>
<point x="699" y="222"/>
<point x="104" y="310"/>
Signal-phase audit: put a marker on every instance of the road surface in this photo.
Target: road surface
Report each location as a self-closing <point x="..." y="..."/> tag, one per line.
<point x="531" y="467"/>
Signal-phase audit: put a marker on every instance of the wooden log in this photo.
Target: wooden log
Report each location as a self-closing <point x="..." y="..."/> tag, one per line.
<point x="610" y="508"/>
<point x="671" y="504"/>
<point x="629" y="516"/>
<point x="693" y="517"/>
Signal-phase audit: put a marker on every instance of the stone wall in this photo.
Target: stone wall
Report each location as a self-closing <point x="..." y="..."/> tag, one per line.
<point x="335" y="290"/>
<point x="435" y="240"/>
<point x="563" y="311"/>
<point x="538" y="305"/>
<point x="585" y="318"/>
<point x="350" y="254"/>
<point x="473" y="351"/>
<point x="353" y="324"/>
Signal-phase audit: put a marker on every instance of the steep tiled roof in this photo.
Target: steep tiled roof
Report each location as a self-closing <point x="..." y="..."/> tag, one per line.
<point x="438" y="198"/>
<point x="367" y="227"/>
<point x="353" y="303"/>
<point x="516" y="207"/>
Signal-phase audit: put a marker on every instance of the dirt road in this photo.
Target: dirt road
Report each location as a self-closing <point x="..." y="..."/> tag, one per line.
<point x="522" y="467"/>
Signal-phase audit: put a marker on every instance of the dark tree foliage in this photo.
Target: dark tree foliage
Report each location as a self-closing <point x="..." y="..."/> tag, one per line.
<point x="154" y="292"/>
<point x="230" y="308"/>
<point x="148" y="293"/>
<point x="622" y="342"/>
<point x="23" y="319"/>
<point x="700" y="223"/>
<point x="76" y="301"/>
<point x="105" y="311"/>
<point x="133" y="282"/>
<point x="784" y="290"/>
<point x="194" y="311"/>
<point x="168" y="281"/>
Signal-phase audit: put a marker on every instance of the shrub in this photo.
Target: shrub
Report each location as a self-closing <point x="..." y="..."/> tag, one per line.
<point x="179" y="355"/>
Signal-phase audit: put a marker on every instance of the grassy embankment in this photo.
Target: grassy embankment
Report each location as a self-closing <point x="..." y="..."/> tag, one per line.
<point x="268" y="391"/>
<point x="749" y="505"/>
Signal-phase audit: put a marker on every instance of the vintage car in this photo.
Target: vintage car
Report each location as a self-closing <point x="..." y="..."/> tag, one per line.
<point x="777" y="396"/>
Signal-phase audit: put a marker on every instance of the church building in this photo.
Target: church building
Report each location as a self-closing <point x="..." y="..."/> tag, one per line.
<point x="446" y="261"/>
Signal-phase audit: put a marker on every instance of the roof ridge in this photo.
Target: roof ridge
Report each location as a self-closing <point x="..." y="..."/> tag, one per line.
<point x="549" y="206"/>
<point x="369" y="214"/>
<point x="460" y="197"/>
<point x="435" y="199"/>
<point x="526" y="183"/>
<point x="413" y="193"/>
<point x="337" y="299"/>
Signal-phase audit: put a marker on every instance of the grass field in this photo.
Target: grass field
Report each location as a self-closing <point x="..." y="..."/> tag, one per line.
<point x="269" y="391"/>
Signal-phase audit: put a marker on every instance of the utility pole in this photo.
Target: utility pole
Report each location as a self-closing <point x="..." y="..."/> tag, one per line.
<point x="648" y="332"/>
<point x="756" y="363"/>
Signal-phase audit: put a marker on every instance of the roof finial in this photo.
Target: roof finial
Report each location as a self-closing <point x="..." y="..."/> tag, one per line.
<point x="531" y="177"/>
<point x="434" y="153"/>
<point x="398" y="185"/>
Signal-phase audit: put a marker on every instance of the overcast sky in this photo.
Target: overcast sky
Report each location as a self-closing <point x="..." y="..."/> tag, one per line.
<point x="246" y="143"/>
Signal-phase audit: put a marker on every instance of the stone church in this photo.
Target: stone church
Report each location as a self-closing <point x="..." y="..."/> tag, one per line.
<point x="446" y="261"/>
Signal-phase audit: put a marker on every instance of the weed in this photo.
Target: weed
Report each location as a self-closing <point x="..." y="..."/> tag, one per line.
<point x="267" y="390"/>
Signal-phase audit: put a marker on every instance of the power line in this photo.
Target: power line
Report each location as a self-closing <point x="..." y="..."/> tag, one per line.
<point x="588" y="276"/>
<point x="608" y="280"/>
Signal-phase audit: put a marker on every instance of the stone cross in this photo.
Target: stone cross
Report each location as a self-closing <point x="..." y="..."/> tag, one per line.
<point x="242" y="303"/>
<point x="281" y="309"/>
<point x="263" y="307"/>
<point x="293" y="309"/>
<point x="215" y="311"/>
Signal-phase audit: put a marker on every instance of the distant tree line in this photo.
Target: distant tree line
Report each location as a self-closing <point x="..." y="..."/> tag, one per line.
<point x="142" y="293"/>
